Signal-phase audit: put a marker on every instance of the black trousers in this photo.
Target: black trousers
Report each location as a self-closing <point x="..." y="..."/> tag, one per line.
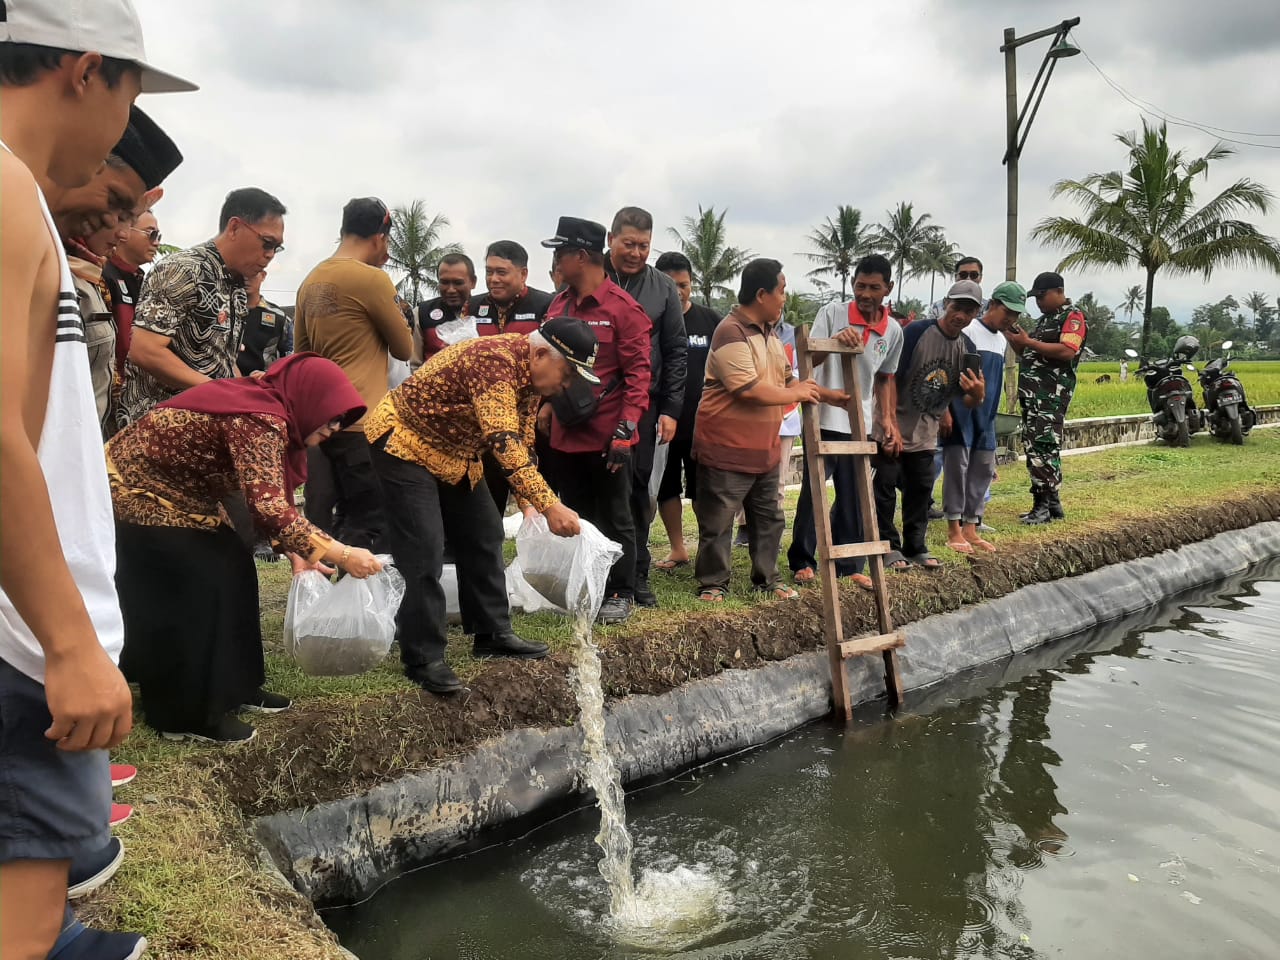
<point x="641" y="473"/>
<point x="358" y="514"/>
<point x="421" y="511"/>
<point x="192" y="637"/>
<point x="846" y="515"/>
<point x="604" y="498"/>
<point x="912" y="473"/>
<point x="321" y="491"/>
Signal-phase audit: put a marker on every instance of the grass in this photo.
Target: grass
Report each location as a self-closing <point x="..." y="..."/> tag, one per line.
<point x="190" y="881"/>
<point x="1261" y="381"/>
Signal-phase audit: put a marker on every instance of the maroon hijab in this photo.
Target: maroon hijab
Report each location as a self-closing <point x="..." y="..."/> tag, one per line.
<point x="305" y="390"/>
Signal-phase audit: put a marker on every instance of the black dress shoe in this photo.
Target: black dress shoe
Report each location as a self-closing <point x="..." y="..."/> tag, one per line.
<point x="507" y="645"/>
<point x="645" y="597"/>
<point x="435" y="677"/>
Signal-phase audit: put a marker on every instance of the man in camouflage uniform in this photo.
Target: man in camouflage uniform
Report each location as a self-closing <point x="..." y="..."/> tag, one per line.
<point x="1047" y="361"/>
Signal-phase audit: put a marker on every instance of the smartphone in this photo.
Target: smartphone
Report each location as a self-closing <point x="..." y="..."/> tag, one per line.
<point x="973" y="363"/>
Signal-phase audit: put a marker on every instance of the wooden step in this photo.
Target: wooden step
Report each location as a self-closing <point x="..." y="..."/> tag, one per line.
<point x="851" y="551"/>
<point x="846" y="448"/>
<point x="819" y="347"/>
<point x="866" y="645"/>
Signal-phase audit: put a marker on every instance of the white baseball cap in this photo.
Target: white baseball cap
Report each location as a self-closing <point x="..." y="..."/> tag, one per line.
<point x="108" y="27"/>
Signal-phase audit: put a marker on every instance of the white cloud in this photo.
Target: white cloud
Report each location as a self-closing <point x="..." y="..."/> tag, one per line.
<point x="505" y="115"/>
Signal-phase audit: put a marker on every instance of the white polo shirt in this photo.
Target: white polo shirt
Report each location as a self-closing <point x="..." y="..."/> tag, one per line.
<point x="880" y="355"/>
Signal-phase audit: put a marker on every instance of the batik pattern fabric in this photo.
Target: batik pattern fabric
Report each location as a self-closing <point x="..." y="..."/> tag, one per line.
<point x="471" y="397"/>
<point x="174" y="467"/>
<point x="194" y="300"/>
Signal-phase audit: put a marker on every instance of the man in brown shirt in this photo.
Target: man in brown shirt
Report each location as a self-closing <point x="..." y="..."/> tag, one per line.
<point x="735" y="438"/>
<point x="348" y="312"/>
<point x="429" y="435"/>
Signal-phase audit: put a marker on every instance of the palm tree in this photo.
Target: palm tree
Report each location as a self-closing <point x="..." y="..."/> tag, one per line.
<point x="1257" y="303"/>
<point x="416" y="250"/>
<point x="714" y="262"/>
<point x="1147" y="217"/>
<point x="838" y="246"/>
<point x="1133" y="300"/>
<point x="938" y="255"/>
<point x="902" y="237"/>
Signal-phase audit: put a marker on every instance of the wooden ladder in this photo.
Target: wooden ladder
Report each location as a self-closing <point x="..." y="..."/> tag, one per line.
<point x="816" y="450"/>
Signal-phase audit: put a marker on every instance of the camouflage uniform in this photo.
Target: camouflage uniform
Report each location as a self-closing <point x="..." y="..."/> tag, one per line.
<point x="1044" y="391"/>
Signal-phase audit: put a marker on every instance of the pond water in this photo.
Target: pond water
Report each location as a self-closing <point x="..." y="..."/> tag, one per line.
<point x="1111" y="795"/>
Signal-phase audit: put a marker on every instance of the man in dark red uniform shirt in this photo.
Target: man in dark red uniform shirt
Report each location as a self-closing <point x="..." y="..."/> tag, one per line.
<point x="593" y="457"/>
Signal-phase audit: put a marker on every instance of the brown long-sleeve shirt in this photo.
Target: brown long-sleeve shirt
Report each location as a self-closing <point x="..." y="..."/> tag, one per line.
<point x="471" y="397"/>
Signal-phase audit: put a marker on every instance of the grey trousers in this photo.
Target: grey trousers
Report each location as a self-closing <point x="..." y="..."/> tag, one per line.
<point x="966" y="477"/>
<point x="720" y="494"/>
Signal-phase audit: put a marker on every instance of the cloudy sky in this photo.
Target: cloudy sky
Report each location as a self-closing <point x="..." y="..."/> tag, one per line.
<point x="504" y="115"/>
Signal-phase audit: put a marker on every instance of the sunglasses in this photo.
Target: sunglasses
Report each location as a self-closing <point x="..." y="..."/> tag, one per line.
<point x="269" y="244"/>
<point x="968" y="274"/>
<point x="151" y="233"/>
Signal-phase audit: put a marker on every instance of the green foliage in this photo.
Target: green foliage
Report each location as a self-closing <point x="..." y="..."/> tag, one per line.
<point x="800" y="309"/>
<point x="416" y="250"/>
<point x="838" y="245"/>
<point x="1146" y="217"/>
<point x="902" y="238"/>
<point x="706" y="245"/>
<point x="938" y="256"/>
<point x="1106" y="337"/>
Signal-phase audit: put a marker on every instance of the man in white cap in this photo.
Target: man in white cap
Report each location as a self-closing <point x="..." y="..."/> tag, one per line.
<point x="69" y="73"/>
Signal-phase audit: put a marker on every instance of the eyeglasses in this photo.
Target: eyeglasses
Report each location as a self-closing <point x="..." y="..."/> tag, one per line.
<point x="269" y="244"/>
<point x="968" y="274"/>
<point x="151" y="233"/>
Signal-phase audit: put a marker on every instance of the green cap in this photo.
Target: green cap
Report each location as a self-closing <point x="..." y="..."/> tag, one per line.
<point x="1012" y="295"/>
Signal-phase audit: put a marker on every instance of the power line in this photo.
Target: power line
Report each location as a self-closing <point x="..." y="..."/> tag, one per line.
<point x="1150" y="109"/>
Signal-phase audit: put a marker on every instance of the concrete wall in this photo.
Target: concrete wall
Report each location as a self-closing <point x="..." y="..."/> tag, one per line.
<point x="340" y="852"/>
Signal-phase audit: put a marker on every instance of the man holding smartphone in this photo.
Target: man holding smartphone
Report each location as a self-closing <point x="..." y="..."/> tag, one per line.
<point x="930" y="373"/>
<point x="969" y="447"/>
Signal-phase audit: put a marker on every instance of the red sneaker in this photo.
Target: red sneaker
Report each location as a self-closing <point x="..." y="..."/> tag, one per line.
<point x="120" y="812"/>
<point x="122" y="773"/>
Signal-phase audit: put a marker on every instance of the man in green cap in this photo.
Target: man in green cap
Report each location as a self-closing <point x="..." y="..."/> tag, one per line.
<point x="1048" y="358"/>
<point x="969" y="435"/>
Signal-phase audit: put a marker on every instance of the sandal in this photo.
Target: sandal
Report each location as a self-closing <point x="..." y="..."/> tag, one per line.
<point x="782" y="592"/>
<point x="669" y="564"/>
<point x="805" y="575"/>
<point x="712" y="595"/>
<point x="895" y="561"/>
<point x="862" y="580"/>
<point x="925" y="561"/>
<point x="960" y="546"/>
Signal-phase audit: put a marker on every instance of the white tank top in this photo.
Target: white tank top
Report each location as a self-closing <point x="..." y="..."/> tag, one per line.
<point x="75" y="470"/>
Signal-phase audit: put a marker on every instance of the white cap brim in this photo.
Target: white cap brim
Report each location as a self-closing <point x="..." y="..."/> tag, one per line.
<point x="158" y="81"/>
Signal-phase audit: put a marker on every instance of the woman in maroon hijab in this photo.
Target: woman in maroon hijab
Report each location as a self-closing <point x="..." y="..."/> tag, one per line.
<point x="187" y="582"/>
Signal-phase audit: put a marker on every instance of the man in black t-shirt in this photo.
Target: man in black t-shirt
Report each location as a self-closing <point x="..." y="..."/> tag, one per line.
<point x="700" y="323"/>
<point x="455" y="279"/>
<point x="262" y="342"/>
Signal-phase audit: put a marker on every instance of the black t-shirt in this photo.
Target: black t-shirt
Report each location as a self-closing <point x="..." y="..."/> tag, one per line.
<point x="261" y="341"/>
<point x="525" y="315"/>
<point x="699" y="323"/>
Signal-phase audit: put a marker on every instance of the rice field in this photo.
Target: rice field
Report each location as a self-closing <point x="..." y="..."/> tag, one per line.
<point x="1261" y="381"/>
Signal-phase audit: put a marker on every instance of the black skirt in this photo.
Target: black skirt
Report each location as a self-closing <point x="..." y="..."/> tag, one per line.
<point x="192" y="638"/>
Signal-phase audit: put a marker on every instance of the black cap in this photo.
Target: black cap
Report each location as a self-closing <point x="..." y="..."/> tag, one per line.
<point x="1046" y="282"/>
<point x="147" y="149"/>
<point x="575" y="233"/>
<point x="365" y="217"/>
<point x="576" y="341"/>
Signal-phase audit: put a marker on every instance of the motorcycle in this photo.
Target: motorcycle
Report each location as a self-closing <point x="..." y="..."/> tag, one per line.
<point x="1170" y="395"/>
<point x="1229" y="415"/>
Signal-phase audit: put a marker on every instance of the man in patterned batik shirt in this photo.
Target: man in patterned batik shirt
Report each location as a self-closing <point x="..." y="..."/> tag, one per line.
<point x="428" y="438"/>
<point x="190" y="314"/>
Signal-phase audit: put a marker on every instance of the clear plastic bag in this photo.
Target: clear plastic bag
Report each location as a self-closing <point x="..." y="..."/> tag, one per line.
<point x="455" y="331"/>
<point x="569" y="573"/>
<point x="336" y="630"/>
<point x="522" y="596"/>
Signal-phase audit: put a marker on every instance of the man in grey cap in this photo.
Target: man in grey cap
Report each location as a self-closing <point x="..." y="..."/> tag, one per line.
<point x="931" y="372"/>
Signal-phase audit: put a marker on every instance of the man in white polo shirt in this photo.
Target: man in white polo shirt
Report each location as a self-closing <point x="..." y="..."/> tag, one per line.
<point x="863" y="320"/>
